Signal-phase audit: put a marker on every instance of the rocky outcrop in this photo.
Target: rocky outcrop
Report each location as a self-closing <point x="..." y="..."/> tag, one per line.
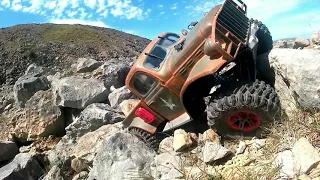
<point x="23" y="165"/>
<point x="8" y="150"/>
<point x="84" y="147"/>
<point x="26" y="86"/>
<point x="55" y="173"/>
<point x="77" y="92"/>
<point x="91" y="118"/>
<point x="86" y="65"/>
<point x="89" y="144"/>
<point x="119" y="156"/>
<point x="48" y="118"/>
<point x="40" y="118"/>
<point x="300" y="43"/>
<point x="297" y="77"/>
<point x="315" y="38"/>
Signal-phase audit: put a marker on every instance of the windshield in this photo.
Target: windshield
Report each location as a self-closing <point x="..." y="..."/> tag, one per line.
<point x="159" y="52"/>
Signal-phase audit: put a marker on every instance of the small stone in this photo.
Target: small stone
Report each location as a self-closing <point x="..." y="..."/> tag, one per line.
<point x="78" y="164"/>
<point x="127" y="106"/>
<point x="166" y="145"/>
<point x="213" y="151"/>
<point x="211" y="136"/>
<point x="305" y="155"/>
<point x="55" y="173"/>
<point x="193" y="172"/>
<point x="8" y="107"/>
<point x="315" y="172"/>
<point x="304" y="177"/>
<point x="181" y="140"/>
<point x="83" y="175"/>
<point x="259" y="143"/>
<point x="284" y="161"/>
<point x="241" y="148"/>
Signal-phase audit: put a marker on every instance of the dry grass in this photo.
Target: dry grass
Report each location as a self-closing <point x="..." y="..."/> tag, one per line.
<point x="283" y="135"/>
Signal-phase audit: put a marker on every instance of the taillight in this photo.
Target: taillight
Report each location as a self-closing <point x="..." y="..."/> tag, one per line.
<point x="145" y="115"/>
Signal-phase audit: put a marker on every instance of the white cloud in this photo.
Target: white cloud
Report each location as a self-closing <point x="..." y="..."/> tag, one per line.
<point x="162" y="12"/>
<point x="6" y="3"/>
<point x="50" y="5"/>
<point x="160" y="5"/>
<point x="104" y="13"/>
<point x="174" y="6"/>
<point x="16" y="5"/>
<point x="175" y="14"/>
<point x="124" y="9"/>
<point x="71" y="14"/>
<point x="79" y="21"/>
<point x="90" y="3"/>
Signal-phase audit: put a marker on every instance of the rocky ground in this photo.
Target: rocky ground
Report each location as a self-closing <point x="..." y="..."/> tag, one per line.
<point x="67" y="125"/>
<point x="59" y="46"/>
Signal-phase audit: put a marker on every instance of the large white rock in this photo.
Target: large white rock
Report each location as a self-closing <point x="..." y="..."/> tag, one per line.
<point x="297" y="77"/>
<point x="119" y="155"/>
<point x="77" y="92"/>
<point x="305" y="156"/>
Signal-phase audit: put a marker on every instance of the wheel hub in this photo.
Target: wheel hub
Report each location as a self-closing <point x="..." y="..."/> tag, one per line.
<point x="244" y="121"/>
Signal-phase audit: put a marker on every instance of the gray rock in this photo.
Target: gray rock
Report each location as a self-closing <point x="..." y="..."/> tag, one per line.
<point x="81" y="176"/>
<point x="301" y="43"/>
<point x="166" y="145"/>
<point x="315" y="38"/>
<point x="281" y="44"/>
<point x="35" y="70"/>
<point x="285" y="162"/>
<point x="92" y="118"/>
<point x="113" y="72"/>
<point x="47" y="113"/>
<point x="55" y="173"/>
<point x="119" y="154"/>
<point x="23" y="166"/>
<point x="8" y="150"/>
<point x="181" y="140"/>
<point x="305" y="156"/>
<point x="26" y="86"/>
<point x="166" y="166"/>
<point x="85" y="147"/>
<point x="79" y="164"/>
<point x="213" y="151"/>
<point x="297" y="77"/>
<point x="88" y="145"/>
<point x="77" y="92"/>
<point x="87" y="65"/>
<point x="119" y="95"/>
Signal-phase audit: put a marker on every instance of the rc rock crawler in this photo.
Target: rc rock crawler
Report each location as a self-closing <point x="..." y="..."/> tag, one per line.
<point x="217" y="57"/>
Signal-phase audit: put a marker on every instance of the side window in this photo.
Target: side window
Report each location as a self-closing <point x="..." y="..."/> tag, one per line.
<point x="169" y="40"/>
<point x="142" y="83"/>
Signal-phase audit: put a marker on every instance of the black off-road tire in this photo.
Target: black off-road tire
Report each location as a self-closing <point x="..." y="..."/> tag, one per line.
<point x="257" y="98"/>
<point x="149" y="139"/>
<point x="264" y="36"/>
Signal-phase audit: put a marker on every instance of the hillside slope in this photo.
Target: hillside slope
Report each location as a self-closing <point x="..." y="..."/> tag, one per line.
<point x="51" y="45"/>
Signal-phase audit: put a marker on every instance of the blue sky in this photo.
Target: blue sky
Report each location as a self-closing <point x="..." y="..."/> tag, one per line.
<point x="148" y="18"/>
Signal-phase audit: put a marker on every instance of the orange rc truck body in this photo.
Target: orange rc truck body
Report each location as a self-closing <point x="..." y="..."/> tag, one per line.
<point x="176" y="72"/>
